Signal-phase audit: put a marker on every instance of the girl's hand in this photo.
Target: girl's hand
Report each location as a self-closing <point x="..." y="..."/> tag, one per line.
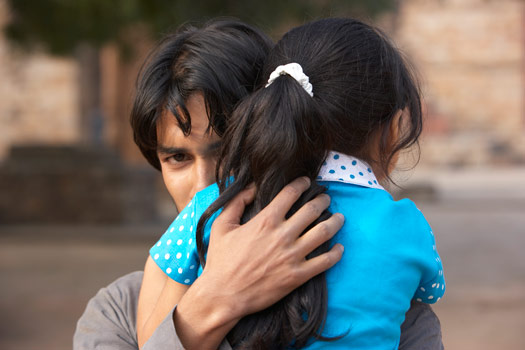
<point x="250" y="267"/>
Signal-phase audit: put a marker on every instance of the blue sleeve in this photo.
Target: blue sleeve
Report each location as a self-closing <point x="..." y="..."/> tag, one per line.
<point x="176" y="251"/>
<point x="432" y="285"/>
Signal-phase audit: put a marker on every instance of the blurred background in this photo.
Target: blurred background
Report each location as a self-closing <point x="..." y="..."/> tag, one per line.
<point x="79" y="206"/>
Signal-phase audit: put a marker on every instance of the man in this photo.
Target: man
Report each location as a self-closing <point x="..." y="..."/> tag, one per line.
<point x="185" y="95"/>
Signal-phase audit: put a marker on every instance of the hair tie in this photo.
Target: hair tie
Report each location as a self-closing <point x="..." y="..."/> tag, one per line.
<point x="295" y="71"/>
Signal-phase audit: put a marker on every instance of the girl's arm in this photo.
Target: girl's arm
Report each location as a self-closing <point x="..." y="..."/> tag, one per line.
<point x="151" y="288"/>
<point x="171" y="266"/>
<point x="158" y="295"/>
<point x="250" y="267"/>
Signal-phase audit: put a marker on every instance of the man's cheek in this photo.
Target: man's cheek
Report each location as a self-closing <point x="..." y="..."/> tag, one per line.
<point x="169" y="183"/>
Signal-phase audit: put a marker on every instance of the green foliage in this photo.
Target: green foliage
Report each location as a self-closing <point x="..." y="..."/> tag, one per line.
<point x="60" y="25"/>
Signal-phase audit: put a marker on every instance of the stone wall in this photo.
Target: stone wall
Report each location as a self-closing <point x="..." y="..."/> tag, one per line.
<point x="49" y="173"/>
<point x="75" y="185"/>
<point x="38" y="96"/>
<point x="470" y="56"/>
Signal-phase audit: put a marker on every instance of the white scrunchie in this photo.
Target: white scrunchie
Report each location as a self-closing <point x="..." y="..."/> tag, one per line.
<point x="295" y="71"/>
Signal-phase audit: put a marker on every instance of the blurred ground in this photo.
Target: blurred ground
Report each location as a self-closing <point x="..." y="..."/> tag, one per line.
<point x="478" y="216"/>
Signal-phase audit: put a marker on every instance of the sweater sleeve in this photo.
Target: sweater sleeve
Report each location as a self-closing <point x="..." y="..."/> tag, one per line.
<point x="165" y="337"/>
<point x="108" y="322"/>
<point x="421" y="329"/>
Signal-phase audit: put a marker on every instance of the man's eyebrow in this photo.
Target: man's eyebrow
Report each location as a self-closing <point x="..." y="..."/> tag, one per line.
<point x="213" y="146"/>
<point x="170" y="150"/>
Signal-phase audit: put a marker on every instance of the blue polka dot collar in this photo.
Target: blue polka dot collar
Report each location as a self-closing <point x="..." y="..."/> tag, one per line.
<point x="339" y="167"/>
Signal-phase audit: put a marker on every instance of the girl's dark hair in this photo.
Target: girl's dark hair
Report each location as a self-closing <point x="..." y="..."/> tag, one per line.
<point x="222" y="60"/>
<point x="360" y="82"/>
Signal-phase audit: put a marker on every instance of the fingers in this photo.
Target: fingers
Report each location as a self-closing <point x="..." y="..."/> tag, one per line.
<point x="319" y="234"/>
<point x="307" y="214"/>
<point x="313" y="267"/>
<point x="233" y="211"/>
<point x="290" y="193"/>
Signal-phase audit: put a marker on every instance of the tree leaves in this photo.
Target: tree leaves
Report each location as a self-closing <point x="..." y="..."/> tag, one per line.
<point x="60" y="25"/>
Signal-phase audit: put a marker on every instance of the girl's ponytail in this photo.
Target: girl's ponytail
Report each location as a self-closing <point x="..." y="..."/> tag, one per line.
<point x="275" y="136"/>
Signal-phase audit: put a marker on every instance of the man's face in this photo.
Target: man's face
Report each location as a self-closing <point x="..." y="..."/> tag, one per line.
<point x="187" y="162"/>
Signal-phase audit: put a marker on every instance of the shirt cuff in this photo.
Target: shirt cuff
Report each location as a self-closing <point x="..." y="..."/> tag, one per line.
<point x="165" y="337"/>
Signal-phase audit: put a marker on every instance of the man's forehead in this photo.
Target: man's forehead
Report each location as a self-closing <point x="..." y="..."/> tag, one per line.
<point x="201" y="147"/>
<point x="172" y="138"/>
<point x="170" y="133"/>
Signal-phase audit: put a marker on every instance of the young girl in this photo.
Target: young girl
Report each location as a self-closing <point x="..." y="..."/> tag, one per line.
<point x="338" y="106"/>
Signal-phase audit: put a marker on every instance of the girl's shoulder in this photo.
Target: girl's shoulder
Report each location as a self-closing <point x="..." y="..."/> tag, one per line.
<point x="376" y="210"/>
<point x="201" y="201"/>
<point x="373" y="199"/>
<point x="208" y="195"/>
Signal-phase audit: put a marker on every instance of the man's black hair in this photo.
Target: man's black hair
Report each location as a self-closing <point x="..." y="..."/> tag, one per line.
<point x="221" y="60"/>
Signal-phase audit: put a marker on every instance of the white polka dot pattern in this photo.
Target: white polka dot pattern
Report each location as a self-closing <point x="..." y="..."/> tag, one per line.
<point x="177" y="247"/>
<point x="433" y="290"/>
<point x="339" y="167"/>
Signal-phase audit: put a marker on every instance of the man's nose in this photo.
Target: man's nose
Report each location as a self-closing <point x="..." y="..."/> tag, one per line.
<point x="204" y="175"/>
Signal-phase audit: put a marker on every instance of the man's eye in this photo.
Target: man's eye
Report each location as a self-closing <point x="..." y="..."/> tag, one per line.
<point x="177" y="158"/>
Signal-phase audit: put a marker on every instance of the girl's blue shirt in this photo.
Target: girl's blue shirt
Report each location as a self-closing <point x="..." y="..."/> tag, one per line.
<point x="390" y="256"/>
